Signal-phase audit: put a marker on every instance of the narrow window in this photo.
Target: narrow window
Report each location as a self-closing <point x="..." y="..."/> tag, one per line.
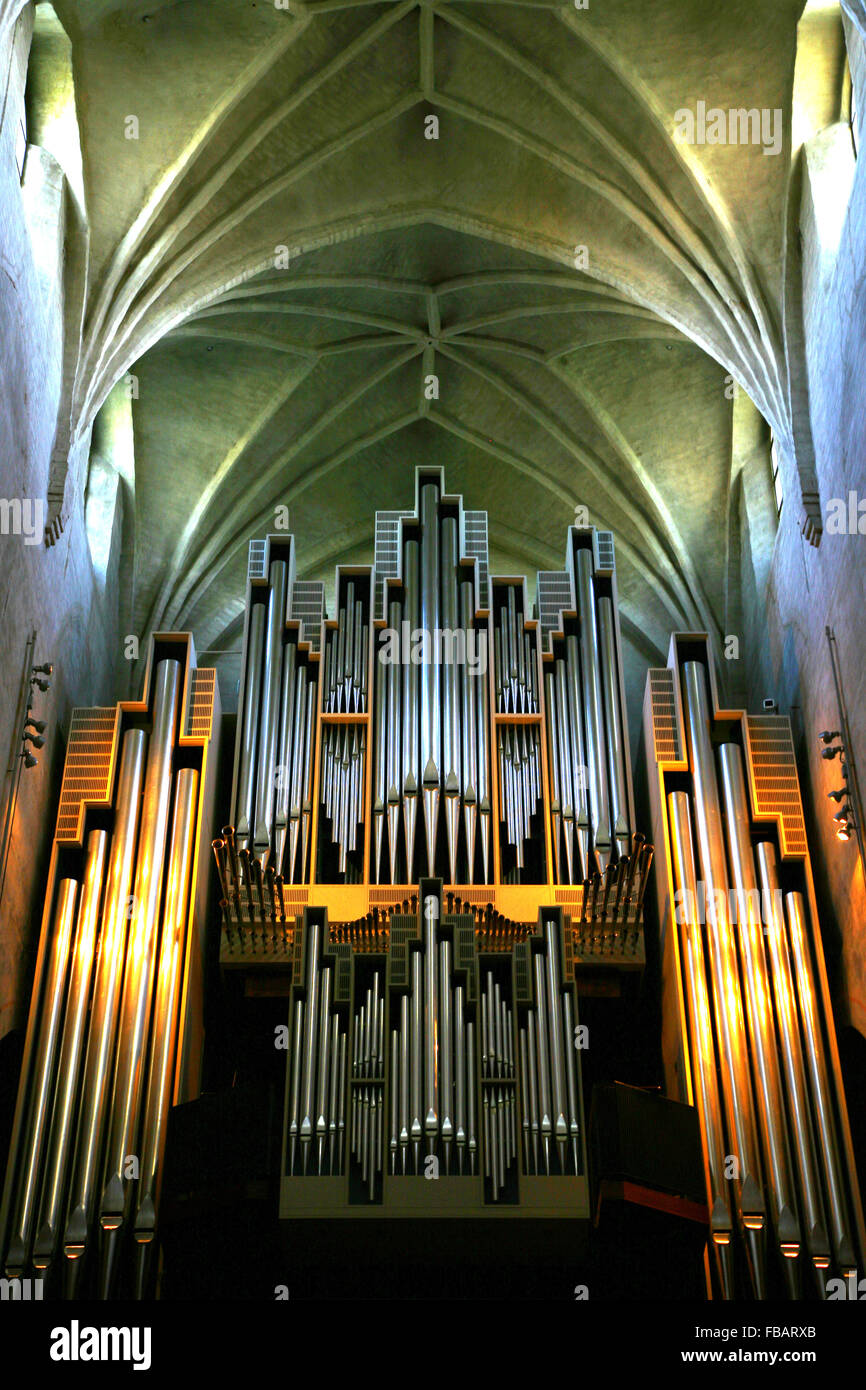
<point x="777" y="474"/>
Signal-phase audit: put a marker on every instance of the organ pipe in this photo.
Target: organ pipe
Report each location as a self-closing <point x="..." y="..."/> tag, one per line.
<point x="457" y="1049"/>
<point x="436" y="725"/>
<point x="744" y="959"/>
<point x="113" y="1026"/>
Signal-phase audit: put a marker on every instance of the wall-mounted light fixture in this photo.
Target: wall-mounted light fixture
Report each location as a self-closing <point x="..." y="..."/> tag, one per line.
<point x="27" y="731"/>
<point x="833" y="747"/>
<point x="836" y="743"/>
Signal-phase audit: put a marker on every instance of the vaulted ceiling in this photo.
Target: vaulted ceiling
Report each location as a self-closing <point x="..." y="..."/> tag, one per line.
<point x="283" y="259"/>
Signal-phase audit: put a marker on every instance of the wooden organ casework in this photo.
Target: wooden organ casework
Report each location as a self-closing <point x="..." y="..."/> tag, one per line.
<point x="115" y="1030"/>
<point x="748" y="1033"/>
<point x="432" y="829"/>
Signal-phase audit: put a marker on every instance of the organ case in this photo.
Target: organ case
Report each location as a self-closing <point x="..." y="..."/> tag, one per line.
<point x="748" y="1033"/>
<point x="114" y="1036"/>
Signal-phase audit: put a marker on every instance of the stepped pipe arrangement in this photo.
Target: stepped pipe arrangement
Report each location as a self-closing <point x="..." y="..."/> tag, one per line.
<point x="460" y="1037"/>
<point x="548" y="1069"/>
<point x="432" y="803"/>
<point x="591" y="807"/>
<point x="751" y="1041"/>
<point x="436" y="725"/>
<point x="114" y="1033"/>
<point x="278" y="704"/>
<point x="318" y="1066"/>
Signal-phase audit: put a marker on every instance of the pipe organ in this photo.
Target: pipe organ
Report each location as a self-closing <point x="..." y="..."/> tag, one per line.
<point x="430" y="842"/>
<point x="432" y="1067"/>
<point x="433" y="727"/>
<point x="748" y="1035"/>
<point x="115" y="1029"/>
<point x="456" y="835"/>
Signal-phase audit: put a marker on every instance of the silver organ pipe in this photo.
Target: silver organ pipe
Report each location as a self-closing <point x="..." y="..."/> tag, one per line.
<point x="509" y="723"/>
<point x="468" y="727"/>
<point x="342" y="777"/>
<point x="614" y="726"/>
<point x="410" y="695"/>
<point x="724" y="968"/>
<point x="106" y="1002"/>
<point x="113" y="1031"/>
<point x="785" y="994"/>
<point x="392" y="753"/>
<point x="273" y="789"/>
<point x="450" y="742"/>
<point x="244" y="802"/>
<point x="137" y="994"/>
<point x="589" y="807"/>
<point x="165" y="1015"/>
<point x="316" y="1065"/>
<point x="593" y="706"/>
<point x="704" y="1077"/>
<point x="21" y="1234"/>
<point x="431" y="756"/>
<point x="430" y="916"/>
<point x="263" y="820"/>
<point x="451" y="751"/>
<point x="842" y="1230"/>
<point x="759" y="1009"/>
<point x="83" y="955"/>
<point x="743" y="956"/>
<point x="424" y="1101"/>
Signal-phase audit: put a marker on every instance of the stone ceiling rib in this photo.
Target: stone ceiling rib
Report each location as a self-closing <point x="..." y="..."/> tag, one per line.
<point x="689" y="163"/>
<point x="617" y="490"/>
<point x="235" y="541"/>
<point x="275" y="470"/>
<point x="125" y="253"/>
<point x="111" y="363"/>
<point x="409" y="260"/>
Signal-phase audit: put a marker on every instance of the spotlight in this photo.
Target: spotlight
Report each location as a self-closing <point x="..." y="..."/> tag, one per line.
<point x="838" y="795"/>
<point x="36" y="739"/>
<point x="46" y="669"/>
<point x="43" y="685"/>
<point x="843" y="832"/>
<point x="37" y="724"/>
<point x="828" y="735"/>
<point x="830" y="752"/>
<point x="29" y="760"/>
<point x="844" y="814"/>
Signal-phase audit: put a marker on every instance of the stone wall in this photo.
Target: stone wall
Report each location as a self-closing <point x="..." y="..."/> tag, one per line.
<point x="812" y="588"/>
<point x="50" y="590"/>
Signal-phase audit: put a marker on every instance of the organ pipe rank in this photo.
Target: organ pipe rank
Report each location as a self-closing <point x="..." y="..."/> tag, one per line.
<point x="115" y="1028"/>
<point x="434" y="726"/>
<point x="750" y="1040"/>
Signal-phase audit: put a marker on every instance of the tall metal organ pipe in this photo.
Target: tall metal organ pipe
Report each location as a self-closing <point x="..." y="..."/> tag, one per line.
<point x="431" y="743"/>
<point x="169" y="972"/>
<point x="727" y="999"/>
<point x="704" y="1077"/>
<point x="94" y="1114"/>
<point x="71" y="1051"/>
<point x="109" y="1044"/>
<point x="747" y="984"/>
<point x="764" y="1046"/>
<point x="140" y="963"/>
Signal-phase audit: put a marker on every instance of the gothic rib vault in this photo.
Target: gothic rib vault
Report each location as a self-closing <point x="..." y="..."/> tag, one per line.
<point x="603" y="385"/>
